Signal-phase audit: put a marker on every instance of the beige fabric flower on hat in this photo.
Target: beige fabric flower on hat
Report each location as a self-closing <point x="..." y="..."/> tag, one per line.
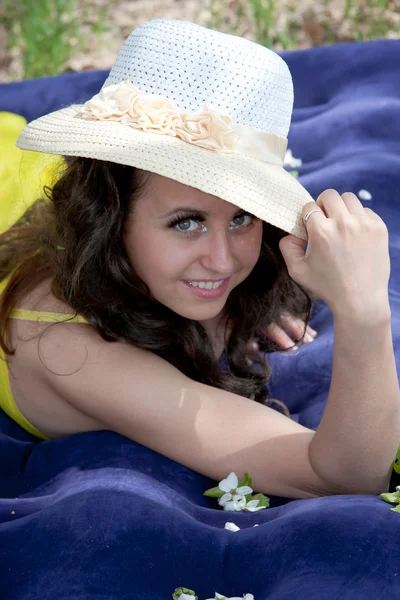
<point x="209" y="128"/>
<point x="112" y="102"/>
<point x="154" y="114"/>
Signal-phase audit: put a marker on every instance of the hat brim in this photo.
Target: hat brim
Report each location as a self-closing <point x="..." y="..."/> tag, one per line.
<point x="265" y="190"/>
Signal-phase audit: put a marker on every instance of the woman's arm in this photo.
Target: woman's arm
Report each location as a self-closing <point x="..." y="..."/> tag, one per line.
<point x="347" y="264"/>
<point x="140" y="395"/>
<point x="359" y="433"/>
<point x="211" y="431"/>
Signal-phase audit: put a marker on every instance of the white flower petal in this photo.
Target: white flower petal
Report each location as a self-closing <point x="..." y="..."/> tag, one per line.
<point x="288" y="157"/>
<point x="220" y="596"/>
<point x="185" y="597"/>
<point x="243" y="490"/>
<point x="230" y="483"/>
<point x="252" y="506"/>
<point x="364" y="195"/>
<point x="224" y="499"/>
<point x="252" y="503"/>
<point x="232" y="507"/>
<point x="290" y="161"/>
<point x="231" y="527"/>
<point x="238" y="503"/>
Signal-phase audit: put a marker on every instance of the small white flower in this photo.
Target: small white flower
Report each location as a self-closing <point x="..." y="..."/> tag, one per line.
<point x="231" y="489"/>
<point x="185" y="597"/>
<point x="252" y="506"/>
<point x="237" y="503"/>
<point x="231" y="527"/>
<point x="290" y="161"/>
<point x="364" y="195"/>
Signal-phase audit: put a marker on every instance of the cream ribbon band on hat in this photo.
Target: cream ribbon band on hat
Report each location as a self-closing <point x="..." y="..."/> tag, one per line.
<point x="209" y="128"/>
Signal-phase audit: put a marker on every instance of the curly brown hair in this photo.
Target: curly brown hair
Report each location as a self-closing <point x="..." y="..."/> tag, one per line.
<point x="74" y="235"/>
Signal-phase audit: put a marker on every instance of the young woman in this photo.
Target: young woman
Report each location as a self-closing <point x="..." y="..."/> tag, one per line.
<point x="132" y="294"/>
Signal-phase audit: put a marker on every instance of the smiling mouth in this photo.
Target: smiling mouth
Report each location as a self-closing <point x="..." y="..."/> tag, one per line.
<point x="207" y="285"/>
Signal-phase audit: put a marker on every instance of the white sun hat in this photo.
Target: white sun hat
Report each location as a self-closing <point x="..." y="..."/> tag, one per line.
<point x="207" y="109"/>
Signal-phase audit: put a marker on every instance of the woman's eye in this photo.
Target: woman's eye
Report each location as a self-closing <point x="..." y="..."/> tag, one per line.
<point x="195" y="225"/>
<point x="185" y="225"/>
<point x="239" y="220"/>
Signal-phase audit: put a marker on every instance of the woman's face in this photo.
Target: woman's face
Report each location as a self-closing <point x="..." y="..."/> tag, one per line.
<point x="179" y="237"/>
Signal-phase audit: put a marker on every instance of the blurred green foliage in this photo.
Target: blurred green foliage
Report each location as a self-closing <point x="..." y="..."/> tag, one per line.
<point x="368" y="20"/>
<point x="47" y="32"/>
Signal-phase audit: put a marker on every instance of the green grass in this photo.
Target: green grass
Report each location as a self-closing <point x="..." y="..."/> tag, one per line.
<point x="367" y="24"/>
<point x="47" y="33"/>
<point x="264" y="13"/>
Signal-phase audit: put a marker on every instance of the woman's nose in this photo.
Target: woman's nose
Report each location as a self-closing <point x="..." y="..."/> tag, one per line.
<point x="217" y="257"/>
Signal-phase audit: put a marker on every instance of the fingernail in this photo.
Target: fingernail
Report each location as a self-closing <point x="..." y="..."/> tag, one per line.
<point x="312" y="331"/>
<point x="293" y="348"/>
<point x="308" y="338"/>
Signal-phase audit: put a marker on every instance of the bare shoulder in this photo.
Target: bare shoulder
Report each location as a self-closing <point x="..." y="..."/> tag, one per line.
<point x="41" y="298"/>
<point x="33" y="341"/>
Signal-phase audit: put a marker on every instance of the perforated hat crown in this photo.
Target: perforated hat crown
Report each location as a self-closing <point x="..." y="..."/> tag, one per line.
<point x="193" y="66"/>
<point x="207" y="109"/>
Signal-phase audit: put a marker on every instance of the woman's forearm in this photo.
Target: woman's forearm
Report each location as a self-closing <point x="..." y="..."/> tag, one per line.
<point x="359" y="432"/>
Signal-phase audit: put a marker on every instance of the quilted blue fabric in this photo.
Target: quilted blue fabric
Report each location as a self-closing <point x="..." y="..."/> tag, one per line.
<point x="97" y="516"/>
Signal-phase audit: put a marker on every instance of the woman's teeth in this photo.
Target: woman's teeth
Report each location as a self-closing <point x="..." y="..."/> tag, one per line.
<point x="208" y="285"/>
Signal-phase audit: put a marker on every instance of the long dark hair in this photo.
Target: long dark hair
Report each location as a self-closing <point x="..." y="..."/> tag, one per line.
<point x="74" y="235"/>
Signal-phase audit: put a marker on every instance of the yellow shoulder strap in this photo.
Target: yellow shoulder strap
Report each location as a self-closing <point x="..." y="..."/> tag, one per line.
<point x="46" y="317"/>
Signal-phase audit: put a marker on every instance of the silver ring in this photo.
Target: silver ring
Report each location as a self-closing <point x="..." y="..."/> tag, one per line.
<point x="306" y="216"/>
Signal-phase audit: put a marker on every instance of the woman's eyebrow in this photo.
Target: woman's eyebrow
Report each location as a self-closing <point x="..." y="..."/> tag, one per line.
<point x="190" y="209"/>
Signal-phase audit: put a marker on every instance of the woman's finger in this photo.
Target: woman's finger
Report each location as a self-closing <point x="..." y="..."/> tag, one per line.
<point x="297" y="328"/>
<point x="312" y="332"/>
<point x="294" y="326"/>
<point x="288" y="326"/>
<point x="279" y="336"/>
<point x="332" y="204"/>
<point x="353" y="204"/>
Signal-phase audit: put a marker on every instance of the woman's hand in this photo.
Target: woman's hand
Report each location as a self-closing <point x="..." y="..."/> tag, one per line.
<point x="347" y="262"/>
<point x="279" y="332"/>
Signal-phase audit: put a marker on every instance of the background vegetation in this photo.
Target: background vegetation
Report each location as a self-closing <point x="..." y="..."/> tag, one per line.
<point x="47" y="37"/>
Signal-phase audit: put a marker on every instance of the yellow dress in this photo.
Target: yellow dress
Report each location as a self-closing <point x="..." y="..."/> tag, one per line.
<point x="7" y="402"/>
<point x="22" y="177"/>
